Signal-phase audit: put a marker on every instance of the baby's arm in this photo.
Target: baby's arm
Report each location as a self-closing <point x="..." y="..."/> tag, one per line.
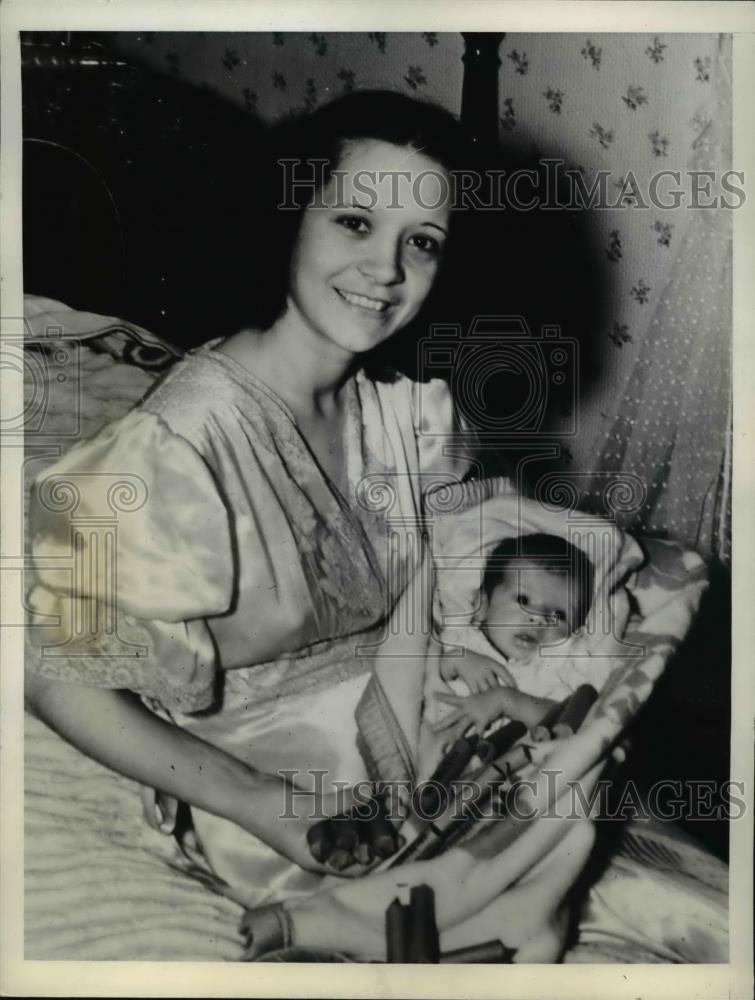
<point x="480" y="709"/>
<point x="479" y="673"/>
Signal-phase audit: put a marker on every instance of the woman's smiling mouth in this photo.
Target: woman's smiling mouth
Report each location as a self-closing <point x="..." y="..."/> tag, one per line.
<point x="363" y="301"/>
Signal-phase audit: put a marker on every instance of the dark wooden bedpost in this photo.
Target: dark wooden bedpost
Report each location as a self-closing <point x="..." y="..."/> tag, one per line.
<point x="479" y="95"/>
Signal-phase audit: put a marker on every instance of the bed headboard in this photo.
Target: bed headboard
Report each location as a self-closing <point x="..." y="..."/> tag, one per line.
<point x="479" y="94"/>
<point x="134" y="190"/>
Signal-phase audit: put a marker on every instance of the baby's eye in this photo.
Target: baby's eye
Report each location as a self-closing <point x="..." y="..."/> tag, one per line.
<point x="525" y="640"/>
<point x="523" y="600"/>
<point x="354" y="223"/>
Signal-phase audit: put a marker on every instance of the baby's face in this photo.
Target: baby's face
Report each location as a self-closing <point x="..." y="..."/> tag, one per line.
<point x="531" y="607"/>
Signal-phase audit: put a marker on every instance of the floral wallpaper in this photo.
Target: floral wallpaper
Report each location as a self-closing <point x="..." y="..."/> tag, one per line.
<point x="629" y="104"/>
<point x="635" y="105"/>
<point x="278" y="72"/>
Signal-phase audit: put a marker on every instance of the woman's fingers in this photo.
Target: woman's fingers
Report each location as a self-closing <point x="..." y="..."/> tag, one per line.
<point x="620" y="751"/>
<point x="149" y="807"/>
<point x="159" y="810"/>
<point x="464" y="727"/>
<point x="540" y="752"/>
<point x="168" y="806"/>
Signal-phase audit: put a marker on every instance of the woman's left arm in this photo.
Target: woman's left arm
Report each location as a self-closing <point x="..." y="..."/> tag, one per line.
<point x="116" y="729"/>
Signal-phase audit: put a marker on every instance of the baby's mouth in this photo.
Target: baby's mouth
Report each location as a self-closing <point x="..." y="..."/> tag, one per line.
<point x="363" y="301"/>
<point x="527" y="639"/>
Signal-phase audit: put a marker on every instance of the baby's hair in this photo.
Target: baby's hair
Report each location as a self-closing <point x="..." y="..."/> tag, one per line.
<point x="548" y="552"/>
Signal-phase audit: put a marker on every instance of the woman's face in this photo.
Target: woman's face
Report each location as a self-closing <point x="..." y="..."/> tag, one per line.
<point x="367" y="254"/>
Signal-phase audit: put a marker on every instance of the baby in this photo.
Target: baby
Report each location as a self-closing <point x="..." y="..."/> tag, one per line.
<point x="536" y="591"/>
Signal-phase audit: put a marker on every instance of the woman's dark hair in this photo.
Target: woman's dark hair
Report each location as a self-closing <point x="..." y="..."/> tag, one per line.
<point x="551" y="553"/>
<point x="304" y="151"/>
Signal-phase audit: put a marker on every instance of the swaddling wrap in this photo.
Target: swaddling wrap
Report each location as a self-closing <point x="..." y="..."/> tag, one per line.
<point x="480" y="516"/>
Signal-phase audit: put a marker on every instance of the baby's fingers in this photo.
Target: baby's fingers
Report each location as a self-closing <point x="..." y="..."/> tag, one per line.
<point x="448" y="698"/>
<point x="491" y="679"/>
<point x="477" y="683"/>
<point x="452" y="719"/>
<point x="503" y="674"/>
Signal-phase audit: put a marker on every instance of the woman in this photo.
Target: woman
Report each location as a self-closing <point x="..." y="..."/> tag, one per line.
<point x="270" y="494"/>
<point x="256" y="559"/>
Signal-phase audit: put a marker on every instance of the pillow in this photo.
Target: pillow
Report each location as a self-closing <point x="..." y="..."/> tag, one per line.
<point x="80" y="371"/>
<point x="47" y="322"/>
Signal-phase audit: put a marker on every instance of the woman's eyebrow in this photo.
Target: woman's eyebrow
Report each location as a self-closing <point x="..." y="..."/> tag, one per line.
<point x="366" y="208"/>
<point x="352" y="204"/>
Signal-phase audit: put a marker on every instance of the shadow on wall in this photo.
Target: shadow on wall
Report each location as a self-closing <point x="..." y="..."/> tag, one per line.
<point x="139" y="193"/>
<point x="542" y="264"/>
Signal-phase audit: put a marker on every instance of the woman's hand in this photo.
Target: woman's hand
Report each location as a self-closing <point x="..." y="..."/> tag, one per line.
<point x="358" y="837"/>
<point x="328" y="836"/>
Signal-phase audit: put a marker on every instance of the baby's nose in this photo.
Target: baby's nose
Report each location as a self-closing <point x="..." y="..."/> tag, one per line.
<point x="526" y="615"/>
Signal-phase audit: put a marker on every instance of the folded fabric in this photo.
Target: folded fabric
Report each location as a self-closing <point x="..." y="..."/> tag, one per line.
<point x="48" y="322"/>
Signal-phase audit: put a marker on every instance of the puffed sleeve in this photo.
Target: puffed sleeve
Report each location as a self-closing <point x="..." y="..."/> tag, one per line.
<point x="445" y="441"/>
<point x="131" y="552"/>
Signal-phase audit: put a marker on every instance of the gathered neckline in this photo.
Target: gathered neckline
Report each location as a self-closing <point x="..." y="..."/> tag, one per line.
<point x="243" y="374"/>
<point x="246" y="378"/>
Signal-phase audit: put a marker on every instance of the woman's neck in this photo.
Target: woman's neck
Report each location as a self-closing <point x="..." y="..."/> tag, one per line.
<point x="306" y="372"/>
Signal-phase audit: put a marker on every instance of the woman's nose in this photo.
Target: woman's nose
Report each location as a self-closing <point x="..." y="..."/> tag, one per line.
<point x="382" y="263"/>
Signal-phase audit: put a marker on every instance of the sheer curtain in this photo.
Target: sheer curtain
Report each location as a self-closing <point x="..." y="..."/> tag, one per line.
<point x="672" y="429"/>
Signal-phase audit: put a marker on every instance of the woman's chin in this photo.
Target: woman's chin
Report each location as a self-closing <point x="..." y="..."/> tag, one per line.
<point x="361" y="342"/>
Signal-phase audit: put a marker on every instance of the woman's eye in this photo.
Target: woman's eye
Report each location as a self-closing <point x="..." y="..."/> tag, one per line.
<point x="354" y="223"/>
<point x="426" y="244"/>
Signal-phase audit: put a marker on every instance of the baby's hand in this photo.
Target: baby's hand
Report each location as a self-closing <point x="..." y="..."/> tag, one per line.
<point x="479" y="673"/>
<point x="474" y="711"/>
